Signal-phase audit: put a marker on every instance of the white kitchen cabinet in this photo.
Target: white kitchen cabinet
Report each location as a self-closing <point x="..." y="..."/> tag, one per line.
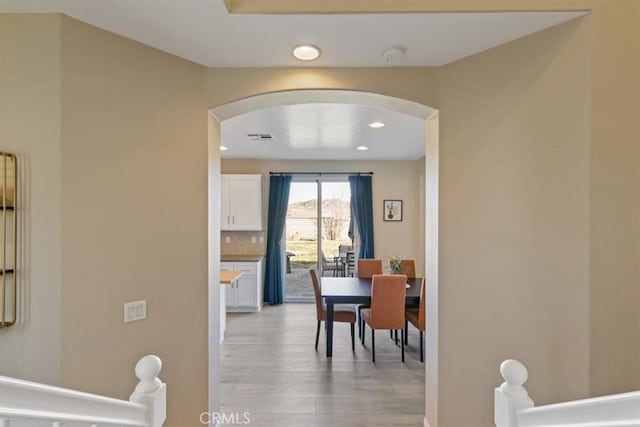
<point x="245" y="295"/>
<point x="241" y="202"/>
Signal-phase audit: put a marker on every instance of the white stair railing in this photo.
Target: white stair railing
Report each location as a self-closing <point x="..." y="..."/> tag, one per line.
<point x="25" y="403"/>
<point x="514" y="407"/>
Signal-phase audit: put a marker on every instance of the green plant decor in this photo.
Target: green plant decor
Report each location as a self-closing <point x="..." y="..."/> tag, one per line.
<point x="395" y="264"/>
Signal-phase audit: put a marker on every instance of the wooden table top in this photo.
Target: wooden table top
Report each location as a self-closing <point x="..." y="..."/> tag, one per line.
<point x="228" y="276"/>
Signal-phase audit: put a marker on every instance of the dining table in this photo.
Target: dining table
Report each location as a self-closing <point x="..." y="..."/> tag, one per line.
<point x="355" y="290"/>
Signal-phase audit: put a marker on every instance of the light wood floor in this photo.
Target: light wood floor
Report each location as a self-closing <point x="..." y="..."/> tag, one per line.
<point x="271" y="370"/>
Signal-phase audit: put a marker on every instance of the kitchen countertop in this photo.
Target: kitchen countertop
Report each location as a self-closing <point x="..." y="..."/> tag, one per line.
<point x="226" y="277"/>
<point x="241" y="258"/>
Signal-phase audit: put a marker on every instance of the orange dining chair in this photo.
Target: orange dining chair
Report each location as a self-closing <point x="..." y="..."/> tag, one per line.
<point x="408" y="268"/>
<point x="388" y="293"/>
<point x="416" y="316"/>
<point x="366" y="269"/>
<point x="342" y="312"/>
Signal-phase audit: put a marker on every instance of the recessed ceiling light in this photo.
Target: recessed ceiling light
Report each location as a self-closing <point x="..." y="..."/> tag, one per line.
<point x="306" y="52"/>
<point x="376" y="125"/>
<point x="362" y="148"/>
<point x="223" y="148"/>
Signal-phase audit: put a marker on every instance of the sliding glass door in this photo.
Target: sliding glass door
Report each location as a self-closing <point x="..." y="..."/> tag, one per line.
<point x="318" y="222"/>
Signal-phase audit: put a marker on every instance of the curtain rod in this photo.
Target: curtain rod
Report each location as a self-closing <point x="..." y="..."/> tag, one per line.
<point x="320" y="173"/>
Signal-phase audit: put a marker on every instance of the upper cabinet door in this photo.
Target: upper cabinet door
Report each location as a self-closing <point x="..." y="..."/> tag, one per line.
<point x="241" y="202"/>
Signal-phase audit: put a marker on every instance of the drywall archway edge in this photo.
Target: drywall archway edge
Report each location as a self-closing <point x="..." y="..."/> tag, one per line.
<point x="431" y="187"/>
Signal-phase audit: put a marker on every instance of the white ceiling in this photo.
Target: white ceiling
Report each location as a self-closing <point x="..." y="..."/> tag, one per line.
<point x="324" y="131"/>
<point x="204" y="32"/>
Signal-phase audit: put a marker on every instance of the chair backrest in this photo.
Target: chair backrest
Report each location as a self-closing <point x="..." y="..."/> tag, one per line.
<point x="422" y="314"/>
<point x="368" y="267"/>
<point x="316" y="291"/>
<point x="407" y="267"/>
<point x="343" y="249"/>
<point x="388" y="294"/>
<point x="350" y="263"/>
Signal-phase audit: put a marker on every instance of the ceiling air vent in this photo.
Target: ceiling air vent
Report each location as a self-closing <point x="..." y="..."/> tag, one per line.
<point x="260" y="136"/>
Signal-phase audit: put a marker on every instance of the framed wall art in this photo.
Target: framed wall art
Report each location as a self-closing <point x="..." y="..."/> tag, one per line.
<point x="392" y="210"/>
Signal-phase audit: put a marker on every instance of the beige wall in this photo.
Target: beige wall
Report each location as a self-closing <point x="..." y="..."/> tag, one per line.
<point x="30" y="128"/>
<point x="520" y="197"/>
<point x="391" y="180"/>
<point x="134" y="217"/>
<point x="615" y="134"/>
<point x="514" y="222"/>
<point x="538" y="216"/>
<point x="226" y="85"/>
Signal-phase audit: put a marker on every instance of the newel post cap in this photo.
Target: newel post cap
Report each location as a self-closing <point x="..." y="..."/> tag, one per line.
<point x="511" y="397"/>
<point x="150" y="391"/>
<point x="515" y="374"/>
<point x="147" y="370"/>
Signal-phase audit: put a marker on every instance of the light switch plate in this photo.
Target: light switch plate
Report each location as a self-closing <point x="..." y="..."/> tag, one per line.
<point x="135" y="310"/>
<point x="227" y="239"/>
<point x="253" y="239"/>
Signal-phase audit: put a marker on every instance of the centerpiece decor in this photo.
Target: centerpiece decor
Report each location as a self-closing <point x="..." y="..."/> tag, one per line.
<point x="395" y="265"/>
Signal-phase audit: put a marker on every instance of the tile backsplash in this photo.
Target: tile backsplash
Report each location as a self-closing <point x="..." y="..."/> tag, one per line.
<point x="242" y="243"/>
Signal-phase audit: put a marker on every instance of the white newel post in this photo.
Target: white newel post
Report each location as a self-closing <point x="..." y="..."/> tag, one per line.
<point x="150" y="391"/>
<point x="511" y="397"/>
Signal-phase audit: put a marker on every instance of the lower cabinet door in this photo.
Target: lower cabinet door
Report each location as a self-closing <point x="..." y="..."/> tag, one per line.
<point x="229" y="294"/>
<point x="246" y="293"/>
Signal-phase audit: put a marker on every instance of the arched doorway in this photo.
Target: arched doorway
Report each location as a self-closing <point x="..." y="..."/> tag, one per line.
<point x="430" y="185"/>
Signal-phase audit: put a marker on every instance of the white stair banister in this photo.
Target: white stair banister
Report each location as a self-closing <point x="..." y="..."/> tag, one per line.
<point x="150" y="391"/>
<point x="29" y="404"/>
<point x="511" y="397"/>
<point x="514" y="408"/>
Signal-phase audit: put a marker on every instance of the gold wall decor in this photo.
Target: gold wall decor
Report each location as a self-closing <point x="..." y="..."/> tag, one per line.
<point x="8" y="234"/>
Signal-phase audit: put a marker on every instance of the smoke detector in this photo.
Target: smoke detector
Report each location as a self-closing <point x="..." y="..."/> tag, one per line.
<point x="393" y="55"/>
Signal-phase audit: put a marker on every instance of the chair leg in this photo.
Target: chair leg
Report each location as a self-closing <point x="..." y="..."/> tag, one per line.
<point x="353" y="336"/>
<point x="359" y="325"/>
<point x="421" y="347"/>
<point x="391" y="333"/>
<point x="373" y="345"/>
<point x="317" y="334"/>
<point x="395" y="333"/>
<point x="406" y="332"/>
<point x="363" y="331"/>
<point x="402" y="343"/>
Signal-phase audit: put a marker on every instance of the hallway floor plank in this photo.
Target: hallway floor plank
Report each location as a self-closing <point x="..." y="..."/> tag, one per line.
<point x="271" y="371"/>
